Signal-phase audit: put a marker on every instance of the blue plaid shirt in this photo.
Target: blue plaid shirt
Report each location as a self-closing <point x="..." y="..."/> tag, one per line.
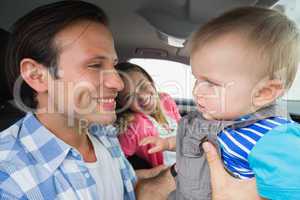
<point x="34" y="164"/>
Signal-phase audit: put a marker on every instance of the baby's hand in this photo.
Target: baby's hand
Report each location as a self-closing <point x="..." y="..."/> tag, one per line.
<point x="160" y="144"/>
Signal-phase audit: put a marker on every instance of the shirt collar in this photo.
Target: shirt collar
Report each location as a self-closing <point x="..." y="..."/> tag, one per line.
<point x="48" y="149"/>
<point x="243" y="118"/>
<point x="42" y="144"/>
<point x="98" y="130"/>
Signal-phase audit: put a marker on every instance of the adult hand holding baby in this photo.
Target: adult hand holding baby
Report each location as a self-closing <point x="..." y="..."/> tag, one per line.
<point x="225" y="187"/>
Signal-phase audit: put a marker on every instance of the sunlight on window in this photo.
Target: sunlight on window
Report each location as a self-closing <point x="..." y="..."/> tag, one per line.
<point x="171" y="77"/>
<point x="294" y="93"/>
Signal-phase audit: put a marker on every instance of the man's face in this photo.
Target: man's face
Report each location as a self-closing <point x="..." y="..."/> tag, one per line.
<point x="88" y="83"/>
<point x="227" y="69"/>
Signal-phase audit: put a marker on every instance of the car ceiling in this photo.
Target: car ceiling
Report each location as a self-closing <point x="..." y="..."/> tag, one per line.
<point x="135" y="23"/>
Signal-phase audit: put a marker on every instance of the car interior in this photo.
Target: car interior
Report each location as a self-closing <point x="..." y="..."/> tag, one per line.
<point x="145" y="30"/>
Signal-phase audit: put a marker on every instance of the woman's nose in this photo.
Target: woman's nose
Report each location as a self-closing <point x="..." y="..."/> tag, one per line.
<point x="149" y="90"/>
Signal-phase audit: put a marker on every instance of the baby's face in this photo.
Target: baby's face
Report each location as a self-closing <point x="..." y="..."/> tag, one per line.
<point x="226" y="70"/>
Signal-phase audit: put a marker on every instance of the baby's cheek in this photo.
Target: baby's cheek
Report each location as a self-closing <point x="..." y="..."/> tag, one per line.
<point x="215" y="106"/>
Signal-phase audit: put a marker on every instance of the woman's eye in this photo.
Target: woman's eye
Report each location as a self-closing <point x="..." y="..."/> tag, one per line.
<point x="143" y="87"/>
<point x="147" y="85"/>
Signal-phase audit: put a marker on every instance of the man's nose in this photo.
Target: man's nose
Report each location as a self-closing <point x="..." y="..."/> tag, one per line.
<point x="112" y="80"/>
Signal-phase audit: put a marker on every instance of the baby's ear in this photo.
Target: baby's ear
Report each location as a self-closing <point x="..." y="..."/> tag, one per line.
<point x="267" y="91"/>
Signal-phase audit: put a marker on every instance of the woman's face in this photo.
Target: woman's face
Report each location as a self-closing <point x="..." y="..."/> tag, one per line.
<point x="139" y="95"/>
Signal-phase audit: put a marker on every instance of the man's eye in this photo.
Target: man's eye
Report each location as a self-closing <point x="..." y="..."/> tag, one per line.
<point x="95" y="66"/>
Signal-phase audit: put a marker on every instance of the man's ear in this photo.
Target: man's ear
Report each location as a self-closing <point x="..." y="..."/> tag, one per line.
<point x="34" y="74"/>
<point x="266" y="92"/>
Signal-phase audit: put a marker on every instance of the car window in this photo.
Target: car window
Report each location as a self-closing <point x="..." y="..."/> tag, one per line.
<point x="294" y="93"/>
<point x="172" y="77"/>
<point x="176" y="79"/>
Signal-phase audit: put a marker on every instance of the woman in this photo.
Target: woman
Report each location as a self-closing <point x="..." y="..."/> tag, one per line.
<point x="144" y="113"/>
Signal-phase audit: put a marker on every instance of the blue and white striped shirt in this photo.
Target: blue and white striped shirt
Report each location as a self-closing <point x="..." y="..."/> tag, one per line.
<point x="236" y="144"/>
<point x="35" y="164"/>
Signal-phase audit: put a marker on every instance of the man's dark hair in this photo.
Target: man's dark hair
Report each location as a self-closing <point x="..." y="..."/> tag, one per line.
<point x="33" y="37"/>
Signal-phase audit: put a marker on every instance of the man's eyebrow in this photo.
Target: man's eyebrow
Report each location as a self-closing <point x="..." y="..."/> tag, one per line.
<point x="116" y="60"/>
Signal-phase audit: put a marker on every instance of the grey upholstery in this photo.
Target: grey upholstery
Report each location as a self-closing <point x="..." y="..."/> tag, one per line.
<point x="9" y="114"/>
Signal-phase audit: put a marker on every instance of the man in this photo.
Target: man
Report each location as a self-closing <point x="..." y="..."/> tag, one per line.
<point x="61" y="65"/>
<point x="60" y="62"/>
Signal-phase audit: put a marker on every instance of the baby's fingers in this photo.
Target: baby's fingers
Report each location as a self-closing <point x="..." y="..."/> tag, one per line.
<point x="148" y="140"/>
<point x="155" y="149"/>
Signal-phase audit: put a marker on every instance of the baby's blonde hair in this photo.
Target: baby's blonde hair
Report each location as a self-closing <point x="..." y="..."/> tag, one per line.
<point x="275" y="37"/>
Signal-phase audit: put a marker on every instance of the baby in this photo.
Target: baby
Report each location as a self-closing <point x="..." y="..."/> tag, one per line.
<point x="243" y="61"/>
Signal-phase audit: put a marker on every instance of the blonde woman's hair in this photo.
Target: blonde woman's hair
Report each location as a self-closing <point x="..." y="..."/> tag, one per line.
<point x="275" y="37"/>
<point x="125" y="117"/>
